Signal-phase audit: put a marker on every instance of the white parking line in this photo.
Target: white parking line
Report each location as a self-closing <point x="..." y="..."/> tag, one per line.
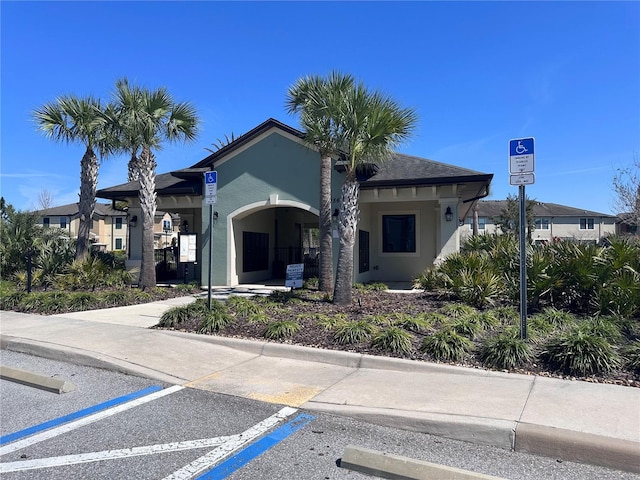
<point x="66" y="460"/>
<point x="54" y="432"/>
<point x="227" y="448"/>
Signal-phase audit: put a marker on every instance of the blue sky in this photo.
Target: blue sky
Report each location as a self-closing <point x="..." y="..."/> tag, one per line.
<point x="478" y="74"/>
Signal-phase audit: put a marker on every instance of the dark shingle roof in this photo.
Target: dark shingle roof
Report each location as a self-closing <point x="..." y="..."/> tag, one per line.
<point x="493" y="208"/>
<point x="72" y="210"/>
<point x="403" y="169"/>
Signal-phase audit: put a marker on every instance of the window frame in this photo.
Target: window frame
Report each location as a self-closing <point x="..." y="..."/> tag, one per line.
<point x="589" y="223"/>
<point x="119" y="223"/>
<point x="542" y="225"/>
<point x="381" y="236"/>
<point x="63" y="223"/>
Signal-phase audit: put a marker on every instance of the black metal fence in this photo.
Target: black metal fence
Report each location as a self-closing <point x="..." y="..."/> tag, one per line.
<point x="166" y="263"/>
<point x="288" y="255"/>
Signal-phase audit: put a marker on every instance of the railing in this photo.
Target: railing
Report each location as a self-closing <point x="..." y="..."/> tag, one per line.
<point x="166" y="263"/>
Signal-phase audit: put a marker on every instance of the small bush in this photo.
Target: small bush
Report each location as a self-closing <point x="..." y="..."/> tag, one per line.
<point x="281" y="329"/>
<point x="506" y="315"/>
<point x="242" y="306"/>
<point x="505" y="351"/>
<point x="394" y="339"/>
<point x="311" y="283"/>
<point x="82" y="301"/>
<point x="215" y="319"/>
<point x="353" y="332"/>
<point x="282" y="296"/>
<point x="259" y="317"/>
<point x="487" y="320"/>
<point x="417" y="323"/>
<point x="436" y="318"/>
<point x="115" y="298"/>
<point x="467" y="326"/>
<point x="557" y="317"/>
<point x="580" y="353"/>
<point x="631" y="356"/>
<point x="446" y="345"/>
<point x="457" y="310"/>
<point x="604" y="327"/>
<point x="328" y="323"/>
<point x="178" y="315"/>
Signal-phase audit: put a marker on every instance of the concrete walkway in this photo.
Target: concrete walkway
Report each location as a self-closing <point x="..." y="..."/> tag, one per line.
<point x="571" y="420"/>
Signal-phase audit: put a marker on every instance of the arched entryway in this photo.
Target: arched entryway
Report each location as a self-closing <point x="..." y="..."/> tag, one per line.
<point x="264" y="238"/>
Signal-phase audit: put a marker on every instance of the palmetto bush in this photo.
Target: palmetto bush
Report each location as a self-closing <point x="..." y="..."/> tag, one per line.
<point x="446" y="345"/>
<point x="505" y="351"/>
<point x="394" y="339"/>
<point x="580" y="353"/>
<point x="478" y="288"/>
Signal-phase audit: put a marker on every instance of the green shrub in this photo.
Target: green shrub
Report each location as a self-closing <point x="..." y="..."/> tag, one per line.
<point x="114" y="298"/>
<point x="353" y="332"/>
<point x="311" y="283"/>
<point x="45" y="302"/>
<point x="446" y="345"/>
<point x="604" y="327"/>
<point x="478" y="288"/>
<point x="467" y="326"/>
<point x="79" y="301"/>
<point x="631" y="356"/>
<point x="259" y="317"/>
<point x="506" y="315"/>
<point x="215" y="319"/>
<point x="417" y="323"/>
<point x="283" y="296"/>
<point x="487" y="320"/>
<point x="242" y="306"/>
<point x="430" y="280"/>
<point x="184" y="313"/>
<point x="457" y="310"/>
<point x="394" y="339"/>
<point x="328" y="323"/>
<point x="505" y="351"/>
<point x="580" y="353"/>
<point x="281" y="329"/>
<point x="9" y="300"/>
<point x="436" y="318"/>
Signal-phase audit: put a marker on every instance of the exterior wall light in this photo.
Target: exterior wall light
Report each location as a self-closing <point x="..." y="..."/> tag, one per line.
<point x="448" y="214"/>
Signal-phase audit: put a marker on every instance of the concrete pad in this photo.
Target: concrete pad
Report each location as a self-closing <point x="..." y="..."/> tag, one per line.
<point x="434" y="393"/>
<point x="386" y="465"/>
<point x="570" y="404"/>
<point x="275" y="380"/>
<point x="578" y="447"/>
<point x="50" y="384"/>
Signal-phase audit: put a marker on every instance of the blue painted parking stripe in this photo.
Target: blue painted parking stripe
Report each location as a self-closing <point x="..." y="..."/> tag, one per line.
<point x="11" y="437"/>
<point x="256" y="449"/>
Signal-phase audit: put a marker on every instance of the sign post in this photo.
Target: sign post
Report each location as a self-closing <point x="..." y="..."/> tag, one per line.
<point x="210" y="198"/>
<point x="521" y="173"/>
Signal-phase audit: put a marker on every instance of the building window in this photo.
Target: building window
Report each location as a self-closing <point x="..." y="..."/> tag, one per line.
<point x="255" y="251"/>
<point x="586" y="224"/>
<point x="482" y="223"/>
<point x="363" y="251"/>
<point x="166" y="225"/>
<point x="118" y="244"/>
<point x="542" y="224"/>
<point x="399" y="233"/>
<point x="46" y="222"/>
<point x="63" y="222"/>
<point x="118" y="223"/>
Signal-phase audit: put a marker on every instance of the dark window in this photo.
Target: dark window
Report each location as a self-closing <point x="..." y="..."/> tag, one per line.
<point x="118" y="223"/>
<point x="586" y="224"/>
<point x="398" y="233"/>
<point x="45" y="222"/>
<point x="255" y="251"/>
<point x="118" y="244"/>
<point x="363" y="251"/>
<point x="63" y="222"/>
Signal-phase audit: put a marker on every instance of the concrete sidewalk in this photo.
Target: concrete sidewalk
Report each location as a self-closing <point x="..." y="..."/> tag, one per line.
<point x="571" y="420"/>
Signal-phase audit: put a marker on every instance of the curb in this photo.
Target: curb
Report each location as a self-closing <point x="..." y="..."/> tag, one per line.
<point x="578" y="447"/>
<point x="396" y="467"/>
<point x="50" y="384"/>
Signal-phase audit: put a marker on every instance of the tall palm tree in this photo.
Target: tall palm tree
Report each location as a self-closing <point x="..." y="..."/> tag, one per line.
<point x="317" y="100"/>
<point x="73" y="119"/>
<point x="372" y="126"/>
<point x="145" y="119"/>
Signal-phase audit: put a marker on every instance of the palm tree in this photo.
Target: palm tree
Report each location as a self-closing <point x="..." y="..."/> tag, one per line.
<point x="79" y="120"/>
<point x="144" y="119"/>
<point x="372" y="125"/>
<point x="318" y="99"/>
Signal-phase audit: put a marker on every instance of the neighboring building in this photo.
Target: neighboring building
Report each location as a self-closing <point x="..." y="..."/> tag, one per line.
<point x="552" y="221"/>
<point x="109" y="228"/>
<point x="268" y="202"/>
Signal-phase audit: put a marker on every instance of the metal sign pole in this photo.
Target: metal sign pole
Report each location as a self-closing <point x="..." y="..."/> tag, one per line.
<point x="210" y="254"/>
<point x="523" y="266"/>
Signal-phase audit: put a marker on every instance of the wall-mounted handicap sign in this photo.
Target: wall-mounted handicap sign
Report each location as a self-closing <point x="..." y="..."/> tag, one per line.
<point x="521" y="156"/>
<point x="210" y="187"/>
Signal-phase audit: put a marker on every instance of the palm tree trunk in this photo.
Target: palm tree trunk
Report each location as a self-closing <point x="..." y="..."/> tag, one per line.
<point x="88" y="185"/>
<point x="133" y="167"/>
<point x="347" y="226"/>
<point x="325" y="281"/>
<point x="476" y="220"/>
<point x="147" y="195"/>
